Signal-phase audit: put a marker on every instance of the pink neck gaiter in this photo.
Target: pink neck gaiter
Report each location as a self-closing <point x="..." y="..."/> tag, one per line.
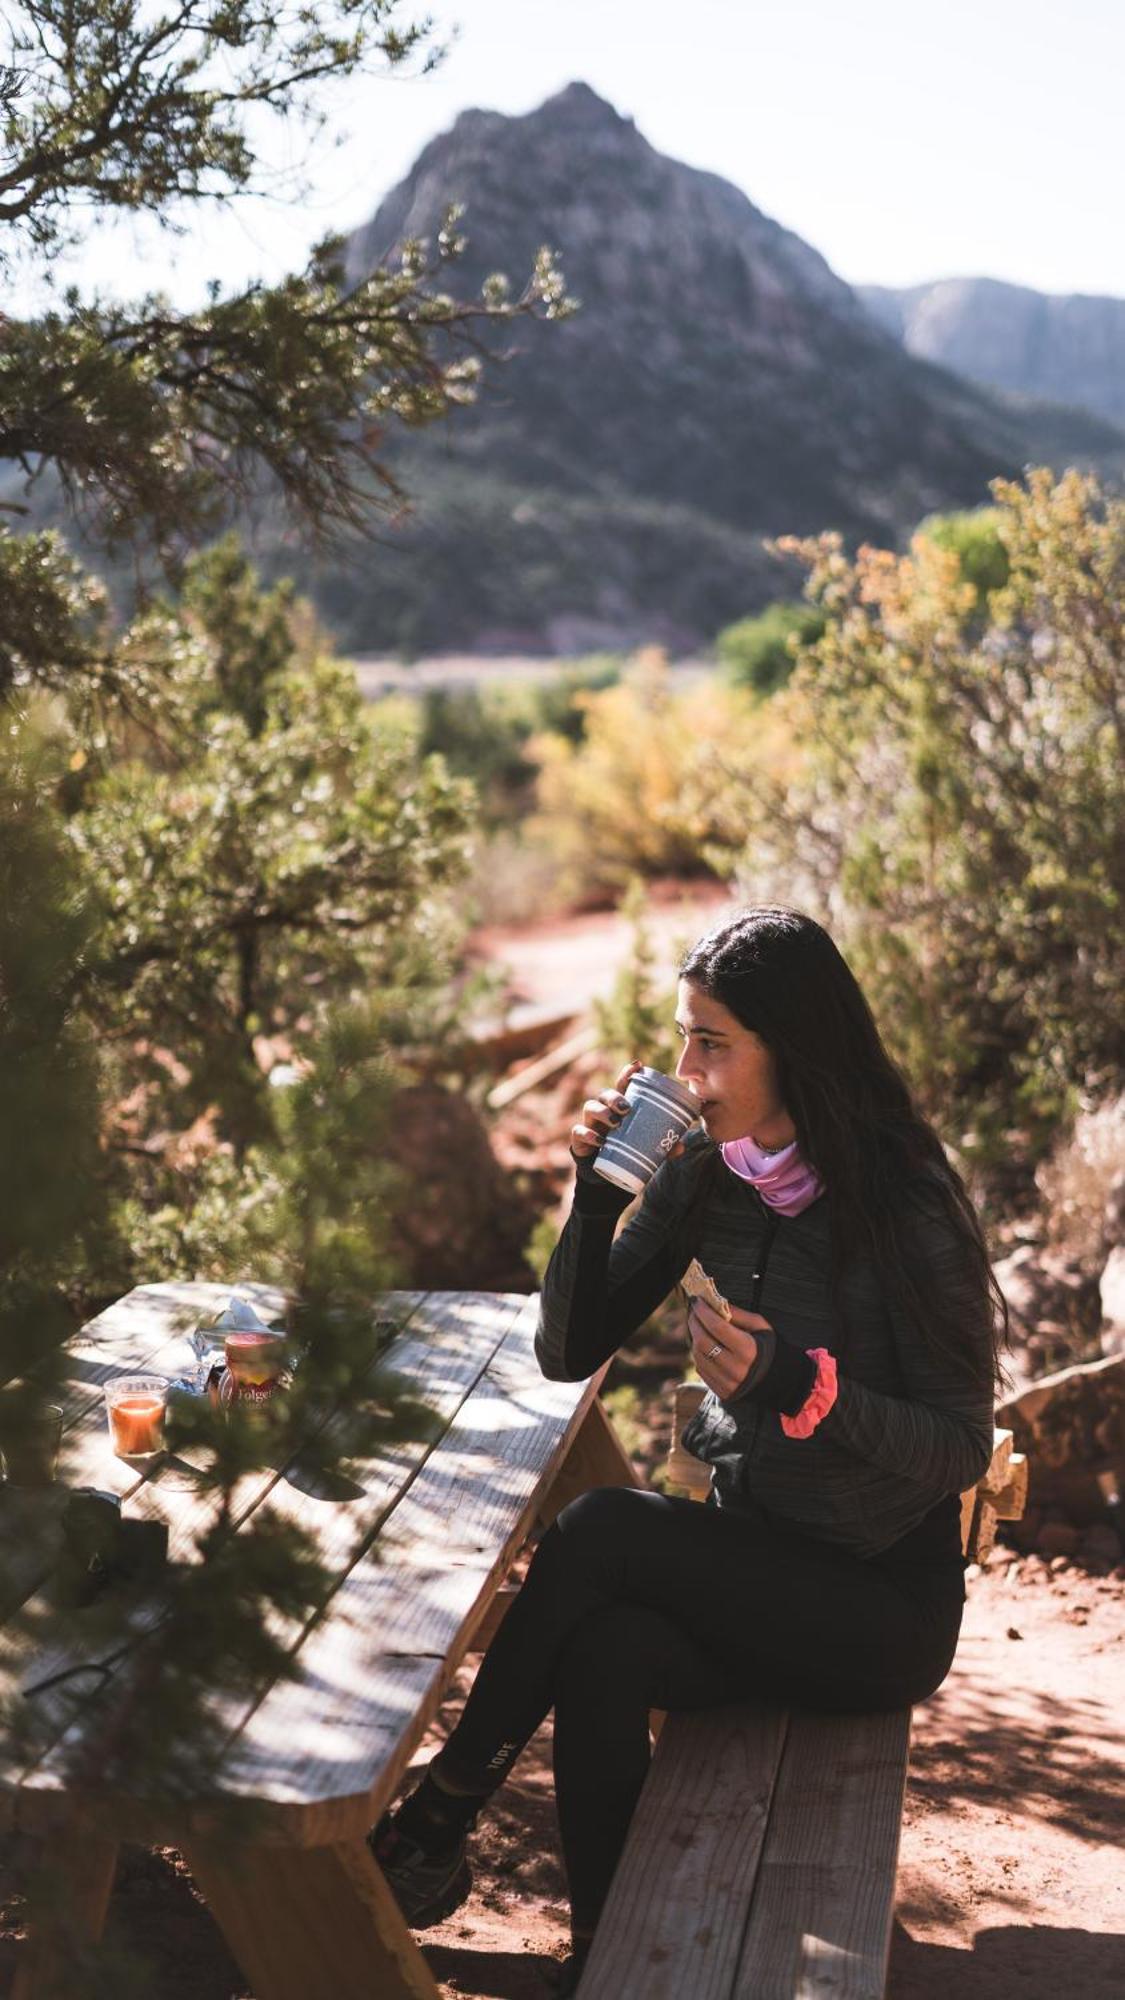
<point x="784" y="1180"/>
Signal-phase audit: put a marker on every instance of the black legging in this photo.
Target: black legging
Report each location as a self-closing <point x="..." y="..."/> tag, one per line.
<point x="635" y="1601"/>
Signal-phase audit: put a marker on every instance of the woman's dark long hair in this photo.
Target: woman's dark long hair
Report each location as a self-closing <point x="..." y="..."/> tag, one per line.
<point x="779" y="973"/>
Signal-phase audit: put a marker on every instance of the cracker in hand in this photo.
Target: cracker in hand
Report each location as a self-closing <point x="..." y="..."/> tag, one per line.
<point x="698" y="1285"/>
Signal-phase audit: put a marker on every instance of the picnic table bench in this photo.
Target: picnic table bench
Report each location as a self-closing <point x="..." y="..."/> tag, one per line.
<point x="760" y="1864"/>
<point x="761" y="1859"/>
<point x="420" y="1542"/>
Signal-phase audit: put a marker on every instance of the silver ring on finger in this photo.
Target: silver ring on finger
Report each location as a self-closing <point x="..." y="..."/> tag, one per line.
<point x="712" y="1351"/>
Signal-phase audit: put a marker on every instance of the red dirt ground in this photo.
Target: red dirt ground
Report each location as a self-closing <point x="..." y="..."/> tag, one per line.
<point x="1010" y="1879"/>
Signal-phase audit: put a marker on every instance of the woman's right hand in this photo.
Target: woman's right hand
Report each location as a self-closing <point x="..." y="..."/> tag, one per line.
<point x="600" y="1115"/>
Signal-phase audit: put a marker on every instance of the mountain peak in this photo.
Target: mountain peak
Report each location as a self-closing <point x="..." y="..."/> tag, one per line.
<point x="578" y="101"/>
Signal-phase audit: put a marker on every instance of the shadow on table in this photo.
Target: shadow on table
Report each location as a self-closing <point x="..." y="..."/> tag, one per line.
<point x="1037" y="1961"/>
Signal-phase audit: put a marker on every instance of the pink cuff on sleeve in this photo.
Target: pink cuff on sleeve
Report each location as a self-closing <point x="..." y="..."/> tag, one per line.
<point x="820" y="1398"/>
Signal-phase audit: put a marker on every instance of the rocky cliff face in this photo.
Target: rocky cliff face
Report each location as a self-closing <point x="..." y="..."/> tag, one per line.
<point x="719" y="384"/>
<point x="1067" y="349"/>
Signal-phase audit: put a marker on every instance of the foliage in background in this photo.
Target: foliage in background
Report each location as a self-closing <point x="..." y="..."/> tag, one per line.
<point x="487" y="733"/>
<point x="619" y="802"/>
<point x="1082" y="1184"/>
<point x="760" y="653"/>
<point x="53" y="1206"/>
<point x="976" y="539"/>
<point x="158" y="421"/>
<point x="228" y="1619"/>
<point x="635" y="1023"/>
<point x="957" y="811"/>
<point x="260" y="853"/>
<point x="483" y="549"/>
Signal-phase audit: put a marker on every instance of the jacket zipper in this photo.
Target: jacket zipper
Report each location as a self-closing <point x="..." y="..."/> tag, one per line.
<point x="763" y="1260"/>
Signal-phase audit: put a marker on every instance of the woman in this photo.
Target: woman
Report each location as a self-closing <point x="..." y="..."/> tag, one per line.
<point x="850" y="1403"/>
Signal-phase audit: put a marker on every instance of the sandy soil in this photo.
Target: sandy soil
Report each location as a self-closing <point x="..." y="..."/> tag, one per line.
<point x="561" y="966"/>
<point x="1010" y="1880"/>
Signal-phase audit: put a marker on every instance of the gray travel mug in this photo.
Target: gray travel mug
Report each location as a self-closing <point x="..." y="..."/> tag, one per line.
<point x="662" y="1110"/>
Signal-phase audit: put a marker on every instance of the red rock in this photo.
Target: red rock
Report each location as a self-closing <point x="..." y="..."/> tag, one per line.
<point x="461" y="1222"/>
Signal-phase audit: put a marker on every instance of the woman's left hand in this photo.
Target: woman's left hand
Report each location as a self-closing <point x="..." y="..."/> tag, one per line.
<point x="725" y="1371"/>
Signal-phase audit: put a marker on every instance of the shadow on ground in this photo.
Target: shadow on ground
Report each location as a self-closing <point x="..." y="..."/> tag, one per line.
<point x="1031" y="1960"/>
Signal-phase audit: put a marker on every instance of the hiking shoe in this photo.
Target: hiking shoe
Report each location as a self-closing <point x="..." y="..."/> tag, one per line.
<point x="426" y="1887"/>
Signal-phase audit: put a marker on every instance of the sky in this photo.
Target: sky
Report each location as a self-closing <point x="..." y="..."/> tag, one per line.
<point x="904" y="142"/>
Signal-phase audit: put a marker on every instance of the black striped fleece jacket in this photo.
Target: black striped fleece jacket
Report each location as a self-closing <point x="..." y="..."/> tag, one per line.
<point x="907" y="1428"/>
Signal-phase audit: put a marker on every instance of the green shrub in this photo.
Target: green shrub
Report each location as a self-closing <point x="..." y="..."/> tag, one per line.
<point x="760" y="653"/>
<point x="958" y="812"/>
<point x="975" y="538"/>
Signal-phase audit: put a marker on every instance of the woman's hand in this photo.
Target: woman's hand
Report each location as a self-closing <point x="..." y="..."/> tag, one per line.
<point x="725" y="1371"/>
<point x="599" y="1116"/>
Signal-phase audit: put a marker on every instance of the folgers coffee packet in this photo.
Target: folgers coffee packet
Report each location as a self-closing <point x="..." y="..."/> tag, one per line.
<point x="255" y="1361"/>
<point x="257" y="1367"/>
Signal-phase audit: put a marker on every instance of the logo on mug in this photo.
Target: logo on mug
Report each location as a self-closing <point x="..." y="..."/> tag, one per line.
<point x="666" y="1144"/>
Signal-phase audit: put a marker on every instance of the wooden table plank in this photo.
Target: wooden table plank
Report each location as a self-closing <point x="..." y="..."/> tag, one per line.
<point x="316" y="1925"/>
<point x="145" y="1332"/>
<point x="449" y="1512"/>
<point x="828" y="1868"/>
<point x="373" y="1672"/>
<point x="170" y="1491"/>
<point x="79" y="1878"/>
<point x="674" y="1921"/>
<point x="442" y="1351"/>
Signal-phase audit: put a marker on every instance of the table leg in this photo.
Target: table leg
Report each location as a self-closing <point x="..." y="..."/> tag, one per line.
<point x="77" y="1881"/>
<point x="596" y="1458"/>
<point x="313" y="1923"/>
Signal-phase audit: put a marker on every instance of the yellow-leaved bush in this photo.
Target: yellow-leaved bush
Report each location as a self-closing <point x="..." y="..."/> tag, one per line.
<point x="644" y="791"/>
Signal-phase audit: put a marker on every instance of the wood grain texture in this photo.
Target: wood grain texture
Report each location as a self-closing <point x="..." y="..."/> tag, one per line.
<point x="968" y="1511"/>
<point x="673" y="1925"/>
<point x="82" y="1866"/>
<point x="126" y="1339"/>
<point x="984" y="1529"/>
<point x="494" y="1616"/>
<point x="442" y="1350"/>
<point x="1011" y="1500"/>
<point x="171" y="1491"/>
<point x="316" y="1758"/>
<point x="373" y="1672"/>
<point x="595" y="1456"/>
<point x="996" y="1478"/>
<point x="820" y="1915"/>
<point x="315" y="1925"/>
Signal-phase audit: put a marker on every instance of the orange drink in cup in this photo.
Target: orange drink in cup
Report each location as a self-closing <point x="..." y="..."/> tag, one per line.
<point x="135" y="1405"/>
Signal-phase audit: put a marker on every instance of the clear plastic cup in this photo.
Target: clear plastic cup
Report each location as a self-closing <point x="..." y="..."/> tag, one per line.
<point x="32" y="1458"/>
<point x="135" y="1407"/>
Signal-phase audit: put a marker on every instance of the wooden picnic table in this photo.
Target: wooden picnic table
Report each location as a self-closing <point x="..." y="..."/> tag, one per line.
<point x="419" y="1546"/>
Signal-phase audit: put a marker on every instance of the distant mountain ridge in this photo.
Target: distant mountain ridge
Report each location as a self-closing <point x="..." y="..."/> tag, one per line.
<point x="720" y="384"/>
<point x="1068" y="348"/>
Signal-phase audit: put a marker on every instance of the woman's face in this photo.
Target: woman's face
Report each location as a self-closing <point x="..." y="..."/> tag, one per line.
<point x="730" y="1070"/>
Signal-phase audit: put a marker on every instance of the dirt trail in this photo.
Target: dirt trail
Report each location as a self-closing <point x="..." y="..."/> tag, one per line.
<point x="1010" y="1878"/>
<point x="562" y="965"/>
